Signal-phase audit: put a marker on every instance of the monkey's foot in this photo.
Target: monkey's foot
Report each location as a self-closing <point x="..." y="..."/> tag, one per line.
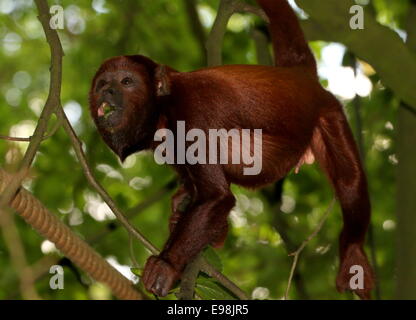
<point x="355" y="273"/>
<point x="159" y="276"/>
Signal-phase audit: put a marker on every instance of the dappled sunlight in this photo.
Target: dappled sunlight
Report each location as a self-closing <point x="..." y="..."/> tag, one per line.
<point x="76" y="217"/>
<point x="36" y="105"/>
<point x="341" y="80"/>
<point x="130" y="161"/>
<point x="12" y="43"/>
<point x="73" y="111"/>
<point x="389" y="225"/>
<point x="110" y="171"/>
<point x="99" y="6"/>
<point x="260" y="293"/>
<point x="239" y="22"/>
<point x="74" y="19"/>
<point x="13" y="97"/>
<point x="23" y="129"/>
<point x="207" y="15"/>
<point x="97" y="208"/>
<point x="123" y="269"/>
<point x="22" y="79"/>
<point x="48" y="247"/>
<point x="288" y="204"/>
<point x="382" y="143"/>
<point x="138" y="183"/>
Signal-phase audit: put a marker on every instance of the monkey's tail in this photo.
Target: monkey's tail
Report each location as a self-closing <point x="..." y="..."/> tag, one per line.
<point x="289" y="43"/>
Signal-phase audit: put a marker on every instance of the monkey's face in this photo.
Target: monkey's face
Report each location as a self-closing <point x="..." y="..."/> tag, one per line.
<point x="122" y="102"/>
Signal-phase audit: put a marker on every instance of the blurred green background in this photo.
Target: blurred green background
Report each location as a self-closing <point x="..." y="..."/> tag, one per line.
<point x="255" y="255"/>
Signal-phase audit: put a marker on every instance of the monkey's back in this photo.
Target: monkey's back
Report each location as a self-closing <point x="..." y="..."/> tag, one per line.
<point x="283" y="102"/>
<point x="249" y="96"/>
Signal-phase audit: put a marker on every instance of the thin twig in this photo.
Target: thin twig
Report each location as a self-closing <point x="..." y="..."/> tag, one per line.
<point x="132" y="212"/>
<point x="132" y="254"/>
<point x="221" y="278"/>
<point x="297" y="253"/>
<point x="29" y="139"/>
<point x="15" y="139"/>
<point x="408" y="108"/>
<point x="52" y="102"/>
<point x="188" y="279"/>
<point x="77" y="145"/>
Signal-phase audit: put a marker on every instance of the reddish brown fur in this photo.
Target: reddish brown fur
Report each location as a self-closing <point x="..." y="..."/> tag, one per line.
<point x="286" y="102"/>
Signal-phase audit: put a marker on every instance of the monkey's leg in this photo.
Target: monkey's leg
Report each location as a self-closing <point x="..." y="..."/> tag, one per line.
<point x="202" y="224"/>
<point x="334" y="147"/>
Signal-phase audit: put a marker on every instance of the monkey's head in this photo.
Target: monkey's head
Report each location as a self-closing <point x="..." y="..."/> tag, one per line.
<point x="123" y="102"/>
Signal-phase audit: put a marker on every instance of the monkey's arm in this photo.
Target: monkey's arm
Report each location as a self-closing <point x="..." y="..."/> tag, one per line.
<point x="205" y="223"/>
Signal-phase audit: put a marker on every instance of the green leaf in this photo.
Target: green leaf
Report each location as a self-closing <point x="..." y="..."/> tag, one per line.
<point x="212" y="257"/>
<point x="209" y="289"/>
<point x="137" y="271"/>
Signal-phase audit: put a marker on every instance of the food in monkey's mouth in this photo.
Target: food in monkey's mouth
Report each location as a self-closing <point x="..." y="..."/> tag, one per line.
<point x="106" y="109"/>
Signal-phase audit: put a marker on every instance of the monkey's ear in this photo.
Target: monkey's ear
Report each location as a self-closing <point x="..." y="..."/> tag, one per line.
<point x="162" y="81"/>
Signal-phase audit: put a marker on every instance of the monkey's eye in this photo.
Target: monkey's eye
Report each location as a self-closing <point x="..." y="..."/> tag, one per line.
<point x="100" y="84"/>
<point x="127" y="81"/>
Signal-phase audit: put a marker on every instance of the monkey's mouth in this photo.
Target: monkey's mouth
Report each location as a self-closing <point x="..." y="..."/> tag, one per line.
<point x="109" y="115"/>
<point x="106" y="109"/>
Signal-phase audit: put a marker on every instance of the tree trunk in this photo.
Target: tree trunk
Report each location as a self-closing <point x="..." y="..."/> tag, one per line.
<point x="406" y="205"/>
<point x="406" y="187"/>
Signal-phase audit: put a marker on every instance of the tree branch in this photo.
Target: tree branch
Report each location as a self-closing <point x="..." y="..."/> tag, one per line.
<point x="196" y="26"/>
<point x="77" y="145"/>
<point x="215" y="39"/>
<point x="51" y="103"/>
<point x="188" y="279"/>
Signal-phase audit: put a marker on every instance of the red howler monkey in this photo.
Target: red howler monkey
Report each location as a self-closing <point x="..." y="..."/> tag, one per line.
<point x="132" y="96"/>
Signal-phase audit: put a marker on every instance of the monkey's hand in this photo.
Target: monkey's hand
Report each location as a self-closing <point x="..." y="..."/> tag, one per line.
<point x="159" y="276"/>
<point x="355" y="273"/>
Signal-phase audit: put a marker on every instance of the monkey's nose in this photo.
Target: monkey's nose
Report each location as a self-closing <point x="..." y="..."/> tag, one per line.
<point x="109" y="91"/>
